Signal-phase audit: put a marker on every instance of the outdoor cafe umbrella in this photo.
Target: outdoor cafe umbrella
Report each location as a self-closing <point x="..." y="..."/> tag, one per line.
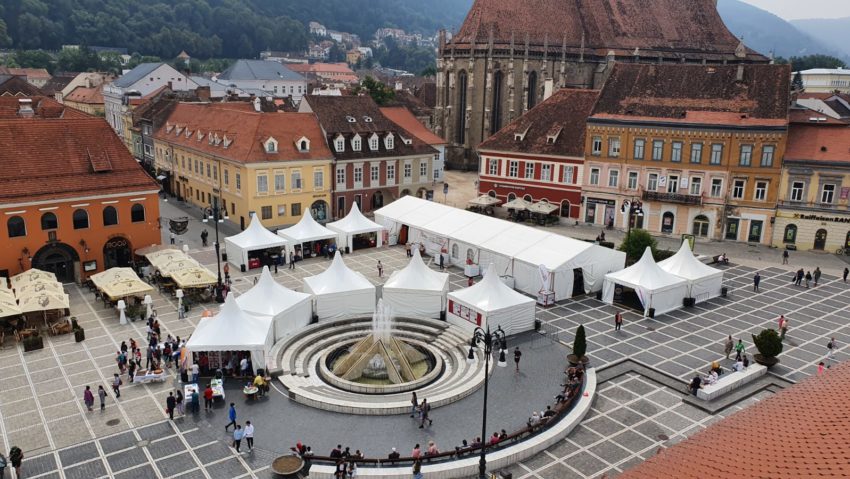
<point x="518" y="204"/>
<point x="542" y="207"/>
<point x="168" y="268"/>
<point x="111" y="275"/>
<point x="158" y="257"/>
<point x="485" y="200"/>
<point x="194" y="278"/>
<point x="7" y="294"/>
<point x="8" y="307"/>
<point x="125" y="287"/>
<point x="38" y="288"/>
<point x="44" y="302"/>
<point x="32" y="276"/>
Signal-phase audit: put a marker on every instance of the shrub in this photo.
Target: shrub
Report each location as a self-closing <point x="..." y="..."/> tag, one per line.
<point x="580" y="342"/>
<point x="768" y="343"/>
<point x="635" y="243"/>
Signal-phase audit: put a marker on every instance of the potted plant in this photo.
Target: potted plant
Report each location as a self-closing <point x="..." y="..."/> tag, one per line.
<point x="79" y="332"/>
<point x="769" y="346"/>
<point x="32" y="343"/>
<point x="579" y="348"/>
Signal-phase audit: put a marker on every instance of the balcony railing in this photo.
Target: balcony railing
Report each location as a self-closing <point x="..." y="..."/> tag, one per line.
<point x="812" y="206"/>
<point x="672" y="198"/>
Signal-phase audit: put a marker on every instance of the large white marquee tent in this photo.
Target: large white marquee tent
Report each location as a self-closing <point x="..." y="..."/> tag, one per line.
<point x="417" y="290"/>
<point x="255" y="237"/>
<point x="655" y="287"/>
<point x="234" y="330"/>
<point x="355" y="224"/>
<point x="289" y="310"/>
<point x="306" y="230"/>
<point x="516" y="250"/>
<point x="704" y="282"/>
<point x="491" y="303"/>
<point x="340" y="291"/>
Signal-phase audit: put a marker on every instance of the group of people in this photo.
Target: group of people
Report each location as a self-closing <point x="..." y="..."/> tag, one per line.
<point x="239" y="433"/>
<point x="420" y="410"/>
<point x="16" y="456"/>
<point x="800" y="275"/>
<point x="346" y="461"/>
<point x="572" y="385"/>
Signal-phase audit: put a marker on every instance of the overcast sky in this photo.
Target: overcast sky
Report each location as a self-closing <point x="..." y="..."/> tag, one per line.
<point x="795" y="9"/>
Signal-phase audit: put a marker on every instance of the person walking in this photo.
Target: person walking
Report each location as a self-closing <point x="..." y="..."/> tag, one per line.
<point x="231" y="414"/>
<point x="204" y="236"/>
<point x="425" y="414"/>
<point x="800" y="274"/>
<point x="172" y="238"/>
<point x="846" y="272"/>
<point x="517" y="357"/>
<point x="249" y="435"/>
<point x="785" y="257"/>
<point x="442" y="264"/>
<point x="196" y="401"/>
<point x="739" y="350"/>
<point x="291" y="260"/>
<point x="618" y="321"/>
<point x="817" y="275"/>
<point x="116" y="385"/>
<point x="380" y="269"/>
<point x="830" y="349"/>
<point x="756" y="281"/>
<point x="88" y="399"/>
<point x="808" y="278"/>
<point x="226" y="272"/>
<point x="208" y="398"/>
<point x="181" y="401"/>
<point x="783" y="329"/>
<point x="414" y="403"/>
<point x="102" y="394"/>
<point x="16" y="457"/>
<point x="728" y="345"/>
<point x="170" y="404"/>
<point x="238" y="433"/>
<point x="407" y="250"/>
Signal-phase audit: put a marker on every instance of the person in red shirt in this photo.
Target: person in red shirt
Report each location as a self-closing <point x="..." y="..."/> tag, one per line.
<point x="208" y="398"/>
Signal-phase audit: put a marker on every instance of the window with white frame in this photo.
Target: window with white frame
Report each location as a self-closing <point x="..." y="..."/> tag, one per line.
<point x="408" y="170"/>
<point x="215" y="172"/>
<point x="389" y="142"/>
<point x="529" y="170"/>
<point x="738" y="187"/>
<point x="716" y="153"/>
<point x="226" y="177"/>
<point x="673" y="184"/>
<point x="676" y="152"/>
<point x="767" y="152"/>
<point x="657" y="150"/>
<point x="296" y="179"/>
<point x="827" y="194"/>
<point x="614" y="147"/>
<point x="279" y="182"/>
<point x="373" y="143"/>
<point x="423" y="169"/>
<point x="262" y="184"/>
<point x="390" y="173"/>
<point x="546" y="172"/>
<point x="513" y="169"/>
<point x="594" y="176"/>
<point x="340" y="176"/>
<point x="358" y="175"/>
<point x="746" y="157"/>
<point x="633" y="180"/>
<point x="696" y="152"/>
<point x="318" y="179"/>
<point x="696" y="186"/>
<point x="797" y="189"/>
<point x="355" y="143"/>
<point x="339" y="144"/>
<point x="760" y="193"/>
<point x="567" y="174"/>
<point x="640" y="146"/>
<point x="374" y="174"/>
<point x="596" y="146"/>
<point x="652" y="182"/>
<point x="716" y="187"/>
<point x="493" y="167"/>
<point x="238" y="181"/>
<point x="613" y="178"/>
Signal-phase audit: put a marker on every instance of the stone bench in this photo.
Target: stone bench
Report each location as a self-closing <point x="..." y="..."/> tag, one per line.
<point x="731" y="380"/>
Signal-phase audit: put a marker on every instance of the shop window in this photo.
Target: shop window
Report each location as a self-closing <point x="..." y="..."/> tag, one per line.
<point x="790" y="235"/>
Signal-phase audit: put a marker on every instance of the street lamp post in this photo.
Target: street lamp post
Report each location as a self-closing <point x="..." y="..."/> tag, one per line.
<point x="488" y="340"/>
<point x="212" y="213"/>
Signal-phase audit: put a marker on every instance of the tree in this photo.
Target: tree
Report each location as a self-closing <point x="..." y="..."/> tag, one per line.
<point x="797" y="83"/>
<point x="636" y="242"/>
<point x="580" y="343"/>
<point x="815" y="61"/>
<point x="429" y="71"/>
<point x="769" y="345"/>
<point x="34" y="59"/>
<point x="381" y="93"/>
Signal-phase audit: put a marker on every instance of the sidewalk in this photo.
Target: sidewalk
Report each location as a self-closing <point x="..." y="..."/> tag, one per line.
<point x="172" y="209"/>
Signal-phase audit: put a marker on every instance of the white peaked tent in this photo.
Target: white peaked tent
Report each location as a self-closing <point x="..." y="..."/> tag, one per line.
<point x="234" y="330"/>
<point x="306" y="230"/>
<point x="289" y="310"/>
<point x="255" y="237"/>
<point x="704" y="282"/>
<point x="655" y="287"/>
<point x="339" y="291"/>
<point x="491" y="303"/>
<point x="417" y="290"/>
<point x="354" y="224"/>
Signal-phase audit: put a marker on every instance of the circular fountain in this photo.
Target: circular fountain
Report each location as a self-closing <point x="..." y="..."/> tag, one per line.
<point x="381" y="363"/>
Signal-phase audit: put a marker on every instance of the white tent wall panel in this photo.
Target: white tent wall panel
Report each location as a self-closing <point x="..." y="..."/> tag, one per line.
<point x="235" y="255"/>
<point x="663" y="301"/>
<point x="415" y="303"/>
<point x="463" y="249"/>
<point x="527" y="279"/>
<point x="706" y="288"/>
<point x="504" y="264"/>
<point x="292" y="320"/>
<point x="513" y="320"/>
<point x="345" y="304"/>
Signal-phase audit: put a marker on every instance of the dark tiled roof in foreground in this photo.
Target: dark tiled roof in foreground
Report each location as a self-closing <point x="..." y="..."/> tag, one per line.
<point x="801" y="432"/>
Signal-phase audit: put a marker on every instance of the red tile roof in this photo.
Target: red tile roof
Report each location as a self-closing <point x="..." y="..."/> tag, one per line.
<point x="801" y="432"/>
<point x="30" y="73"/>
<point x="669" y="28"/>
<point x="703" y="93"/>
<point x="808" y="116"/>
<point x="404" y="118"/>
<point x="43" y="107"/>
<point x="17" y="86"/>
<point x="562" y="116"/>
<point x="820" y="142"/>
<point x="247" y="129"/>
<point x="46" y="159"/>
<point x="81" y="94"/>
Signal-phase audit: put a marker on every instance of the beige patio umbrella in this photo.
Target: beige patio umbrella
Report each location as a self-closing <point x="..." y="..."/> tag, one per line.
<point x="168" y="268"/>
<point x="7" y="294"/>
<point x="157" y="248"/>
<point x="121" y="288"/>
<point x="32" y="276"/>
<point x="9" y="307"/>
<point x="542" y="207"/>
<point x="518" y="204"/>
<point x="158" y="257"/>
<point x="194" y="278"/>
<point x="485" y="200"/>
<point x="112" y="275"/>
<point x="44" y="302"/>
<point x="30" y="289"/>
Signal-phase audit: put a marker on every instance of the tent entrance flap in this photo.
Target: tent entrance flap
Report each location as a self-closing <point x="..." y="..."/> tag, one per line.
<point x="578" y="282"/>
<point x="628" y="297"/>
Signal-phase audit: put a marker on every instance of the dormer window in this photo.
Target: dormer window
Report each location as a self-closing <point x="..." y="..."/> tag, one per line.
<point x="339" y="144"/>
<point x="389" y="142"/>
<point x="270" y="145"/>
<point x="217" y="140"/>
<point x="179" y="130"/>
<point x="188" y="133"/>
<point x="168" y="127"/>
<point x="303" y="144"/>
<point x="519" y="136"/>
<point x="199" y="135"/>
<point x="552" y="137"/>
<point x="351" y="119"/>
<point x="356" y="143"/>
<point x="373" y="142"/>
<point x="227" y="141"/>
<point x="367" y="119"/>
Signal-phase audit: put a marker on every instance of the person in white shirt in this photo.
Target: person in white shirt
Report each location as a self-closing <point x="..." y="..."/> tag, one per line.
<point x="195" y="372"/>
<point x="739" y="366"/>
<point x="712" y="378"/>
<point x="243" y="365"/>
<point x="249" y="435"/>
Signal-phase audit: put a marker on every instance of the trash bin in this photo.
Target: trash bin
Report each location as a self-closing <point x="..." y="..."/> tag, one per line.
<point x="723" y="291"/>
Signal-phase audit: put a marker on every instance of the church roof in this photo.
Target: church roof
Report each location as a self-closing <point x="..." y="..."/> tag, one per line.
<point x="667" y="28"/>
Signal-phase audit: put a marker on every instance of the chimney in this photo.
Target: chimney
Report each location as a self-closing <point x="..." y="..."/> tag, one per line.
<point x="25" y="108"/>
<point x="398" y="86"/>
<point x="256" y="102"/>
<point x="203" y="93"/>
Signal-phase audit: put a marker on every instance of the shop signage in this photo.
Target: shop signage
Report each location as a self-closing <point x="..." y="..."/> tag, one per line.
<point x="822" y="218"/>
<point x="599" y="201"/>
<point x="463" y="312"/>
<point x="516" y="187"/>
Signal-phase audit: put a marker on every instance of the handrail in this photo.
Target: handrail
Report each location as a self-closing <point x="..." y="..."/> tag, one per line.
<point x="560" y="409"/>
